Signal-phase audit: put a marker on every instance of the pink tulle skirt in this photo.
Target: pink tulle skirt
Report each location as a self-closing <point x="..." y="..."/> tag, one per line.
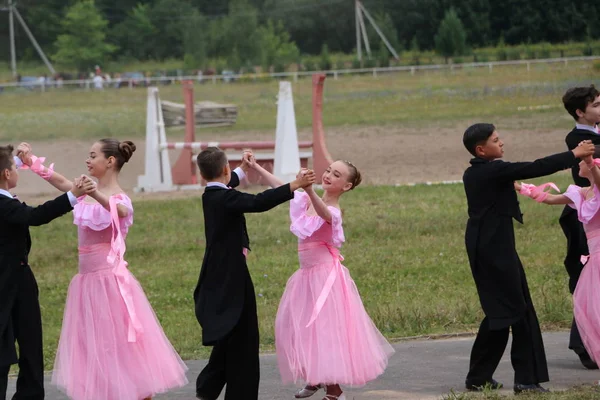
<point x="342" y="345"/>
<point x="586" y="306"/>
<point x="95" y="359"/>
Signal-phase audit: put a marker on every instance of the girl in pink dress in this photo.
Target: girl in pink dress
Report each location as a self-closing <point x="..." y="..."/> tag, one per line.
<point x="323" y="335"/>
<point x="586" y="302"/>
<point x="111" y="346"/>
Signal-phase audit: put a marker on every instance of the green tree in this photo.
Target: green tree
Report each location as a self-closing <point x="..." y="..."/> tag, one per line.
<point x="136" y="33"/>
<point x="325" y="58"/>
<point x="451" y="38"/>
<point x="194" y="40"/>
<point x="276" y="47"/>
<point x="83" y="42"/>
<point x="237" y="30"/>
<point x="386" y="25"/>
<point x="242" y="30"/>
<point x="170" y="17"/>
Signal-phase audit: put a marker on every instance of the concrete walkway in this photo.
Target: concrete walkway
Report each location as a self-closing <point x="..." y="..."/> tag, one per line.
<point x="420" y="369"/>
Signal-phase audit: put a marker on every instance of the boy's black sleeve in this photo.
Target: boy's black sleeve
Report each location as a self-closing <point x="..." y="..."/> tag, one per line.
<point x="15" y="212"/>
<point x="255" y="203"/>
<point x="527" y="170"/>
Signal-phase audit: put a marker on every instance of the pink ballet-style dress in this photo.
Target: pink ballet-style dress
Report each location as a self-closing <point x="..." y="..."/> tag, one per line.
<point x="111" y="346"/>
<point x="586" y="298"/>
<point x="322" y="332"/>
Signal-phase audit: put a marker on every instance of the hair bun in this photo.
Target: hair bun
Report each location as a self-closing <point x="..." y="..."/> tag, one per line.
<point x="126" y="148"/>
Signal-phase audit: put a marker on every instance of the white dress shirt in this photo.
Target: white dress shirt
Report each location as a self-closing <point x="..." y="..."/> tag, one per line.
<point x="238" y="171"/>
<point x="587" y="128"/>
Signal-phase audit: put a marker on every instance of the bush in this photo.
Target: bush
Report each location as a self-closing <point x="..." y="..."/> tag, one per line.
<point x="383" y="61"/>
<point x="529" y="53"/>
<point x="501" y="54"/>
<point x="480" y="57"/>
<point x="544" y="50"/>
<point x="279" y="67"/>
<point x="513" y="53"/>
<point x="310" y="66"/>
<point x="370" y="63"/>
<point x="325" y="63"/>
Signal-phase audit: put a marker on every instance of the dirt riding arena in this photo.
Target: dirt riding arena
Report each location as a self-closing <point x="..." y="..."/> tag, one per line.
<point x="387" y="155"/>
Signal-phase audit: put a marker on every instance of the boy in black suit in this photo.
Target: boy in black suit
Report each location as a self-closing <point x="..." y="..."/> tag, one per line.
<point x="497" y="270"/>
<point x="224" y="297"/>
<point x="20" y="318"/>
<point x="583" y="104"/>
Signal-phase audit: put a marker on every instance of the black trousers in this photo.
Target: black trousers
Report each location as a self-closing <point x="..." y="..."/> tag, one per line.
<point x="527" y="353"/>
<point x="27" y="328"/>
<point x="234" y="360"/>
<point x="576" y="247"/>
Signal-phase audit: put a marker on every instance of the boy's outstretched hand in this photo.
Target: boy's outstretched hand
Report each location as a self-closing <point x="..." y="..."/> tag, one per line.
<point x="304" y="179"/>
<point x="585" y="149"/>
<point x="517" y="186"/>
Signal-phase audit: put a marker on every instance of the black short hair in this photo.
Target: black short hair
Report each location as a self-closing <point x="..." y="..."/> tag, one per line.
<point x="211" y="162"/>
<point x="578" y="98"/>
<point x="6" y="157"/>
<point x="477" y="134"/>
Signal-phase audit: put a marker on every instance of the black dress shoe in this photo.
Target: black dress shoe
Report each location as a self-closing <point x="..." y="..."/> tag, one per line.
<point x="587" y="361"/>
<point x="479" y="386"/>
<point x="535" y="387"/>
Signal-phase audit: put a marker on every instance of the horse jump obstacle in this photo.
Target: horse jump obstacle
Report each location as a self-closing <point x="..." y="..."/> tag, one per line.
<point x="286" y="154"/>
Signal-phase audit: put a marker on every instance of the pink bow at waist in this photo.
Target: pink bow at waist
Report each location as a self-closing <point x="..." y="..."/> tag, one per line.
<point x="115" y="257"/>
<point x="335" y="271"/>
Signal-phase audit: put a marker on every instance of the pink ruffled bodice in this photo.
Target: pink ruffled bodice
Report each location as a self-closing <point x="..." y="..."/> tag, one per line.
<point x="587" y="212"/>
<point x="312" y="228"/>
<point x="318" y="244"/>
<point x="95" y="233"/>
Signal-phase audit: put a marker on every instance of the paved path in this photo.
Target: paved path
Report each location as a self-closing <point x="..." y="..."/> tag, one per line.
<point x="420" y="369"/>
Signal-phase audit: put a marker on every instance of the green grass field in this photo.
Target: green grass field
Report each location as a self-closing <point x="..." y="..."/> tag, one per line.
<point x="576" y="393"/>
<point x="404" y="249"/>
<point x="429" y="98"/>
<point x="405" y="246"/>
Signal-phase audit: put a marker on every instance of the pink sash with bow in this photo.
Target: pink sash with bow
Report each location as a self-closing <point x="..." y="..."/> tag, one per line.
<point x="333" y="274"/>
<point x="115" y="257"/>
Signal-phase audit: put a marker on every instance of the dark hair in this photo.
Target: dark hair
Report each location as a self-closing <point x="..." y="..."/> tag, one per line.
<point x="477" y="134"/>
<point x="6" y="157"/>
<point x="578" y="98"/>
<point x="121" y="151"/>
<point x="211" y="162"/>
<point x="355" y="177"/>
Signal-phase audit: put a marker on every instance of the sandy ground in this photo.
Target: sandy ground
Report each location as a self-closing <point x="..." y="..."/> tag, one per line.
<point x="386" y="155"/>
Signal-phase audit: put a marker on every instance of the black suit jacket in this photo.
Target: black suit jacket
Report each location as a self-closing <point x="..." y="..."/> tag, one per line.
<point x="489" y="238"/>
<point x="572" y="140"/>
<point x="15" y="243"/>
<point x="219" y="294"/>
